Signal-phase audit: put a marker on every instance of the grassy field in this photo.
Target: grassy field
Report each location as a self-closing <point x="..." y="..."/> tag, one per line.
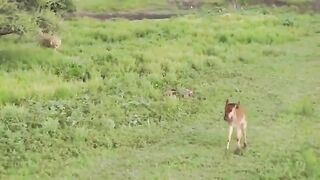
<point x="95" y="108"/>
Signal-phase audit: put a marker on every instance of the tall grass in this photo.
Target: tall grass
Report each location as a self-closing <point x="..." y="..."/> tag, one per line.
<point x="25" y="85"/>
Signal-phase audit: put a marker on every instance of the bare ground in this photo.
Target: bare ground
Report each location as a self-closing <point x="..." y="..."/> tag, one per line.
<point x="127" y="15"/>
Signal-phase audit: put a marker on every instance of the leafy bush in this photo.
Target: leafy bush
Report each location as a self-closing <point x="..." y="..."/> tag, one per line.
<point x="23" y="16"/>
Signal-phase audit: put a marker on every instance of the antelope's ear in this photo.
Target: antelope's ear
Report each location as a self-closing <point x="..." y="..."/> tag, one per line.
<point x="227" y="101"/>
<point x="238" y="104"/>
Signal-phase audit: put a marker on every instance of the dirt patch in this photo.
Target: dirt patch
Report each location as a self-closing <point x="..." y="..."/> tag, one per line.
<point x="186" y="4"/>
<point x="125" y="15"/>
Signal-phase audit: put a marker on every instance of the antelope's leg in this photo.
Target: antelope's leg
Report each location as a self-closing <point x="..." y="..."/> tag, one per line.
<point x="229" y="137"/>
<point x="244" y="131"/>
<point x="239" y="135"/>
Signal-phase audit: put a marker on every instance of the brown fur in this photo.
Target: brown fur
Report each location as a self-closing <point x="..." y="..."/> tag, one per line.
<point x="50" y="41"/>
<point x="171" y="92"/>
<point x="236" y="117"/>
<point x="183" y="93"/>
<point x="240" y="112"/>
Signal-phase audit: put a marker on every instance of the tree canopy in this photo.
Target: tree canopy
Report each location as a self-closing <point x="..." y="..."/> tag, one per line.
<point x="21" y="16"/>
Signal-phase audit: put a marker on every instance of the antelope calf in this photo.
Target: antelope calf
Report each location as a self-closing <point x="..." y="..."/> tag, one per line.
<point x="235" y="115"/>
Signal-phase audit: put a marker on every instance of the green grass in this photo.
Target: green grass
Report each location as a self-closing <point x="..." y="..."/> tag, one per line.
<point x="95" y="108"/>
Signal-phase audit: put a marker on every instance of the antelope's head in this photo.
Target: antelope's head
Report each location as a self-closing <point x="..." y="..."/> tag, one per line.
<point x="230" y="110"/>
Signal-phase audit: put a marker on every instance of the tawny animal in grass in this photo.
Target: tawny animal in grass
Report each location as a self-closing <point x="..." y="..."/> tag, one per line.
<point x="50" y="41"/>
<point x="185" y="93"/>
<point x="236" y="117"/>
<point x="171" y="92"/>
<point x="181" y="92"/>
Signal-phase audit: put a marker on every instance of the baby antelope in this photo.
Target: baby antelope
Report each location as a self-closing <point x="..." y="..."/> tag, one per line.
<point x="235" y="116"/>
